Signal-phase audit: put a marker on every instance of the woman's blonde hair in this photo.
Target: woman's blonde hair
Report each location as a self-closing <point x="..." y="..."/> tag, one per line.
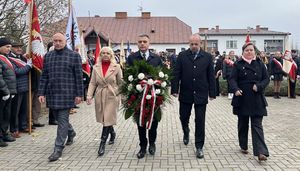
<point x="110" y="51"/>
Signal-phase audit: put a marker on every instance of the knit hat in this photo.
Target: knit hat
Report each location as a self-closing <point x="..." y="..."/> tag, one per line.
<point x="17" y="44"/>
<point x="4" y="41"/>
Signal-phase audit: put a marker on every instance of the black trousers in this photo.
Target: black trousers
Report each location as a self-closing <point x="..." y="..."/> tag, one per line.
<point x="292" y="88"/>
<point x="5" y="111"/>
<point x="19" y="112"/>
<point x="258" y="141"/>
<point x="52" y="117"/>
<point x="152" y="133"/>
<point x="217" y="87"/>
<point x="185" y="113"/>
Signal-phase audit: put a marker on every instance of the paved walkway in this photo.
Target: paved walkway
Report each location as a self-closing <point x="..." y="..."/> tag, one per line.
<point x="282" y="133"/>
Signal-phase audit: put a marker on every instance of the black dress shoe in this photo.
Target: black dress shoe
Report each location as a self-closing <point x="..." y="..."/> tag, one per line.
<point x="8" y="138"/>
<point x="262" y="157"/>
<point x="186" y="136"/>
<point x="152" y="149"/>
<point x="38" y="125"/>
<point x="53" y="123"/>
<point x="141" y="154"/>
<point x="70" y="139"/>
<point x="3" y="143"/>
<point x="55" y="155"/>
<point x="244" y="151"/>
<point x="199" y="153"/>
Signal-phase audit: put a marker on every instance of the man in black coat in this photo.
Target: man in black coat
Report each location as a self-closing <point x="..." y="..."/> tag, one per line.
<point x="61" y="85"/>
<point x="154" y="60"/>
<point x="194" y="76"/>
<point x="8" y="89"/>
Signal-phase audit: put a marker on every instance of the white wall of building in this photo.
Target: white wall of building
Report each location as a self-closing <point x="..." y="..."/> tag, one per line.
<point x="259" y="41"/>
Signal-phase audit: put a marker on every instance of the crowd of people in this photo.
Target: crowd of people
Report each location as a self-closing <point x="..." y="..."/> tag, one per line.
<point x="195" y="79"/>
<point x="223" y="65"/>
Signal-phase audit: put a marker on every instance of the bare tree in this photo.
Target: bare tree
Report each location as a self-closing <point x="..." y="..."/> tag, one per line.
<point x="13" y="16"/>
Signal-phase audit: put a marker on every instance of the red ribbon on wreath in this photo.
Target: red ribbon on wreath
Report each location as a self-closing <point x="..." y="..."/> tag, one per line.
<point x="143" y="111"/>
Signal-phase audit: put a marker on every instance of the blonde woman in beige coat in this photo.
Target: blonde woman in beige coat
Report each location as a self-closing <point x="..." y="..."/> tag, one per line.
<point x="104" y="85"/>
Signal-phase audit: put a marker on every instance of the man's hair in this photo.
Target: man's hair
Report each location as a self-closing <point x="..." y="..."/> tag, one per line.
<point x="144" y="35"/>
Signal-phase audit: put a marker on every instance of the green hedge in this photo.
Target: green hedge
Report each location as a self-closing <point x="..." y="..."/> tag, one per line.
<point x="268" y="91"/>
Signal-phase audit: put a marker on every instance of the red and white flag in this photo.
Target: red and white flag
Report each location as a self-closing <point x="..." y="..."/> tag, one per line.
<point x="35" y="47"/>
<point x="85" y="64"/>
<point x="289" y="66"/>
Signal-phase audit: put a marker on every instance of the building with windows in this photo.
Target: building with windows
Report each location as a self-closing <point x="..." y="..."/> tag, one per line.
<point x="233" y="39"/>
<point x="166" y="33"/>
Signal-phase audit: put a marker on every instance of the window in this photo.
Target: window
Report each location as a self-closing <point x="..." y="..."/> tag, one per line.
<point x="231" y="44"/>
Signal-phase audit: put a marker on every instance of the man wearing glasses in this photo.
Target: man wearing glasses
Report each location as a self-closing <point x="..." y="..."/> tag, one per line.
<point x="194" y="79"/>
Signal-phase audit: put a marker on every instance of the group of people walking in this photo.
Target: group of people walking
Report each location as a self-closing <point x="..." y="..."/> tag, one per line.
<point x="194" y="80"/>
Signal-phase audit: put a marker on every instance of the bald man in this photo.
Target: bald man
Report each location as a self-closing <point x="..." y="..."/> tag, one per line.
<point x="61" y="86"/>
<point x="194" y="76"/>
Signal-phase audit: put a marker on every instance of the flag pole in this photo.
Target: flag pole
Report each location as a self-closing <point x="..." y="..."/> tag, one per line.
<point x="29" y="52"/>
<point x="69" y="6"/>
<point x="289" y="90"/>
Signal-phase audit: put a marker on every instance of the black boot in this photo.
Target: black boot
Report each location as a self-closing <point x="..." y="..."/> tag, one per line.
<point x="275" y="95"/>
<point x="186" y="135"/>
<point x="104" y="136"/>
<point x="278" y="97"/>
<point x="112" y="135"/>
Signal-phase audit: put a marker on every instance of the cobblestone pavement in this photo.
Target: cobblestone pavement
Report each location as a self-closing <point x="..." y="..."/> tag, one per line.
<point x="282" y="134"/>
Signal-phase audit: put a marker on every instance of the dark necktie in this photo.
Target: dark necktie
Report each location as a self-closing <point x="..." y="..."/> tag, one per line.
<point x="144" y="56"/>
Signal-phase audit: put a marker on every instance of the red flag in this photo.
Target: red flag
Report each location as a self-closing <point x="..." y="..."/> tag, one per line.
<point x="98" y="48"/>
<point x="37" y="47"/>
<point x="27" y="1"/>
<point x="248" y="39"/>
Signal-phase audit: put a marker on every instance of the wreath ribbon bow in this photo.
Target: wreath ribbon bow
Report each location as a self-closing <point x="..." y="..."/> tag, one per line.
<point x="143" y="114"/>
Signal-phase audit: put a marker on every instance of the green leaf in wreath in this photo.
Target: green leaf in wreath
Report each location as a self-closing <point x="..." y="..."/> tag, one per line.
<point x="128" y="113"/>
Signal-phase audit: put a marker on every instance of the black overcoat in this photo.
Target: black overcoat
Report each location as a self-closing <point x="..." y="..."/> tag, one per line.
<point x="194" y="79"/>
<point x="243" y="77"/>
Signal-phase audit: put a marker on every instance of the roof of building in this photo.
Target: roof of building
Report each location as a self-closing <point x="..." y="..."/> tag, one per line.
<point x="256" y="31"/>
<point x="162" y="30"/>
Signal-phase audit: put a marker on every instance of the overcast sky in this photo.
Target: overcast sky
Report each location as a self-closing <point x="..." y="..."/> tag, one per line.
<point x="278" y="15"/>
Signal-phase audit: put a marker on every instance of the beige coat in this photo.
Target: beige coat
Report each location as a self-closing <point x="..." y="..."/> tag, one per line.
<point x="106" y="93"/>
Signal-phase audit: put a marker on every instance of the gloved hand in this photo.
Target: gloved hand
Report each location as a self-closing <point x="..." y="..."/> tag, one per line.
<point x="298" y="77"/>
<point x="29" y="62"/>
<point x="12" y="96"/>
<point x="5" y="97"/>
<point x="272" y="77"/>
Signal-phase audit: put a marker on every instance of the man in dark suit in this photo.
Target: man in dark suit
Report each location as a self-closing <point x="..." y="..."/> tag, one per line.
<point x="61" y="85"/>
<point x="194" y="74"/>
<point x="154" y="60"/>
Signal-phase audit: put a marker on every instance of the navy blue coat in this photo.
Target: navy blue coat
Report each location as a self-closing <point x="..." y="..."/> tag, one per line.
<point x="195" y="78"/>
<point x="153" y="59"/>
<point x="61" y="79"/>
<point x="243" y="77"/>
